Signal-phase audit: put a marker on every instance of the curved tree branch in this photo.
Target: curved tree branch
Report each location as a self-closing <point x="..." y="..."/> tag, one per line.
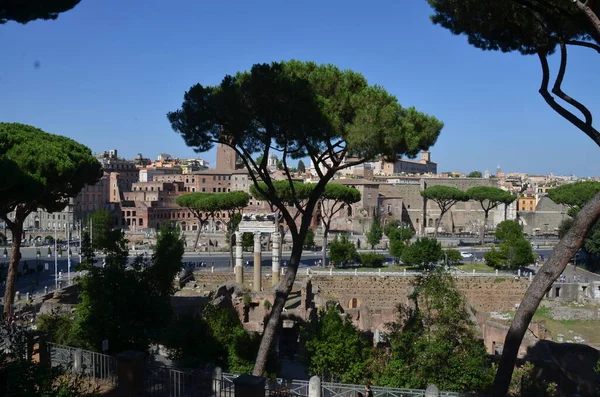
<point x="557" y="89"/>
<point x="587" y="44"/>
<point x="588" y="130"/>
<point x="541" y="284"/>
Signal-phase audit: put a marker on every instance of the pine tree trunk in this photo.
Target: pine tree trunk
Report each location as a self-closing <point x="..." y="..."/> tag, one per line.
<point x="485" y="219"/>
<point x="549" y="272"/>
<point x="13" y="267"/>
<point x="281" y="294"/>
<point x="198" y="235"/>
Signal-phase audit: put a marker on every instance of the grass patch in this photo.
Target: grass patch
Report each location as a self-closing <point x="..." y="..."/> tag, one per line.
<point x="588" y="330"/>
<point x="375" y="269"/>
<point x="477" y="266"/>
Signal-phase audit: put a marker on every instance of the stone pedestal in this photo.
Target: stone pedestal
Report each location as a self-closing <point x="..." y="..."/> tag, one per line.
<point x="249" y="386"/>
<point x="276" y="258"/>
<point x="257" y="284"/>
<point x="130" y="373"/>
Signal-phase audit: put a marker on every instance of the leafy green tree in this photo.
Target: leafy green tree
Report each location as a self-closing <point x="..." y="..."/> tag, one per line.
<point x="247" y="240"/>
<point x="399" y="236"/>
<point x="334" y="349"/>
<point x="375" y="233"/>
<point x="129" y="307"/>
<point x="424" y="252"/>
<point x="489" y="197"/>
<point x="301" y="167"/>
<point x="445" y="197"/>
<point x="309" y="241"/>
<point x="204" y="206"/>
<point x="342" y="251"/>
<point x="452" y="256"/>
<point x="397" y="247"/>
<point x="475" y="174"/>
<point x="434" y="342"/>
<point x="371" y="259"/>
<point x="52" y="168"/>
<point x="534" y="27"/>
<point x="574" y="195"/>
<point x="101" y="224"/>
<point x="335" y="198"/>
<point x="508" y="231"/>
<point x="515" y="251"/>
<point x="31" y="10"/>
<point x="225" y="341"/>
<point x="300" y="110"/>
<point x="398" y="231"/>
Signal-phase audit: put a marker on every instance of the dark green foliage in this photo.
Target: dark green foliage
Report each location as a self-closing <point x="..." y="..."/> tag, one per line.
<point x="375" y="233"/>
<point x="51" y="169"/>
<point x="101" y="225"/>
<point x="58" y="325"/>
<point x="26" y="378"/>
<point x="424" y="252"/>
<point x="397" y="247"/>
<point x="301" y="167"/>
<point x="475" y="174"/>
<point x="574" y="195"/>
<point x="372" y="259"/>
<point x="434" y="342"/>
<point x="334" y="349"/>
<point x="528" y="26"/>
<point x="309" y="240"/>
<point x="515" y="251"/>
<point x="88" y="257"/>
<point x="452" y="256"/>
<point x="129" y="307"/>
<point x="287" y="192"/>
<point x="247" y="240"/>
<point x="225" y="343"/>
<point x="395" y="230"/>
<point x="342" y="251"/>
<point x="30" y="10"/>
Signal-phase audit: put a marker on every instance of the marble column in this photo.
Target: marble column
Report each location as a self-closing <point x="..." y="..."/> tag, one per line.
<point x="239" y="266"/>
<point x="257" y="284"/>
<point x="276" y="258"/>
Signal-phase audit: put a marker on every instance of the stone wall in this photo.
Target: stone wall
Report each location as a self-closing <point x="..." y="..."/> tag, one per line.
<point x="484" y="294"/>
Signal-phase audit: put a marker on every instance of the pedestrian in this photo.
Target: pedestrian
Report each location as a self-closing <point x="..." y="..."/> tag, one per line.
<point x="368" y="391"/>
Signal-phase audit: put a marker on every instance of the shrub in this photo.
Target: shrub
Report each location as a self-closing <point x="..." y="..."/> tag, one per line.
<point x="372" y="259"/>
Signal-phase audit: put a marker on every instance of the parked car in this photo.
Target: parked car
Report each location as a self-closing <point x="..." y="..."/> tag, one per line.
<point x="466" y="254"/>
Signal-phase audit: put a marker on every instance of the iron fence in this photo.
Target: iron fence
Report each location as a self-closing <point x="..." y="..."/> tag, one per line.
<point x="98" y="366"/>
<point x="329" y="389"/>
<point x="286" y="388"/>
<point x="161" y="381"/>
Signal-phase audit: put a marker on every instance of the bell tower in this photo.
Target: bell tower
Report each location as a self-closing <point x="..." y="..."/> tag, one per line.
<point x="226" y="158"/>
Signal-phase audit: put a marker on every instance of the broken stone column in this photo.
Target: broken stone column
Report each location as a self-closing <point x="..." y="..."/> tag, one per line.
<point x="239" y="266"/>
<point x="257" y="284"/>
<point x="276" y="258"/>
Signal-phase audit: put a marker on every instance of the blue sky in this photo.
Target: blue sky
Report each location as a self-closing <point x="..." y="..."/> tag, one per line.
<point x="107" y="72"/>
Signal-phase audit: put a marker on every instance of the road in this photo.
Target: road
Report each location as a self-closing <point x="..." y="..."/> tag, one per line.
<point x="46" y="278"/>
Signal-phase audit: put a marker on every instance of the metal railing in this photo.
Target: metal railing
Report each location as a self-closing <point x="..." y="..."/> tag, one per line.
<point x="98" y="366"/>
<point x="329" y="389"/>
<point x="163" y="381"/>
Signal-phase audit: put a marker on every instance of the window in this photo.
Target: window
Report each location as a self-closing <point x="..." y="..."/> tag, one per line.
<point x="214" y="189"/>
<point x="141" y="222"/>
<point x="368" y="195"/>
